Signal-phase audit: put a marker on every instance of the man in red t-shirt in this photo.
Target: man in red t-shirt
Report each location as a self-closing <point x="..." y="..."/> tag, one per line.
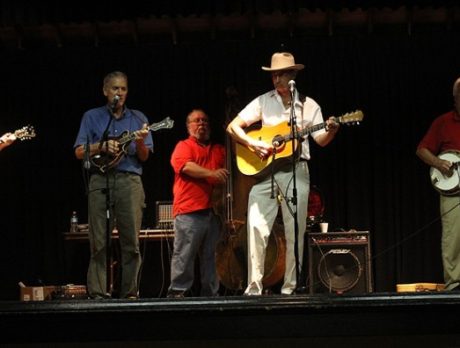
<point x="444" y="135"/>
<point x="198" y="168"/>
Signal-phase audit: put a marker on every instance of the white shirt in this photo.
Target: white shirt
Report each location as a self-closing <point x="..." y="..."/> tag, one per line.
<point x="269" y="109"/>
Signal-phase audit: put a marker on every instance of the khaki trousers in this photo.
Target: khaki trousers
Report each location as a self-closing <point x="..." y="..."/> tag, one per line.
<point x="126" y="207"/>
<point x="450" y="242"/>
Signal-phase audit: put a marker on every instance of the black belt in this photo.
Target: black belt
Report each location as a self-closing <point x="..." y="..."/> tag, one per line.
<point x="111" y="173"/>
<point x="202" y="211"/>
<point x="125" y="172"/>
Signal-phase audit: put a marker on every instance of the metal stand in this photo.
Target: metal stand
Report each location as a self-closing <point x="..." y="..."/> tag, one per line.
<point x="294" y="137"/>
<point x="108" y="232"/>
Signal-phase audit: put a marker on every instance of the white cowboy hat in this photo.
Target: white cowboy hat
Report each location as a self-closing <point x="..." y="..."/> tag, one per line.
<point x="283" y="61"/>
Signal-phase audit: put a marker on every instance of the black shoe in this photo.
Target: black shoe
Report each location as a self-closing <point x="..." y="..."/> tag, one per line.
<point x="302" y="290"/>
<point x="100" y="297"/>
<point x="175" y="294"/>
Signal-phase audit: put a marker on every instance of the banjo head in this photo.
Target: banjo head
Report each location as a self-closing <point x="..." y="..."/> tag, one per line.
<point x="447" y="185"/>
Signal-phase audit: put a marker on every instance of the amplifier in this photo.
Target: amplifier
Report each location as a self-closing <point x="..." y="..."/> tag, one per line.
<point x="164" y="215"/>
<point x="339" y="262"/>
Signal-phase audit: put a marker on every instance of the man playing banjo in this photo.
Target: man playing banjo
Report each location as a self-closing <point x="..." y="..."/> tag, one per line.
<point x="440" y="149"/>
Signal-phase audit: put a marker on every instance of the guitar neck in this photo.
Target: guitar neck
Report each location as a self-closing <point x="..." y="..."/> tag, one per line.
<point x="127" y="138"/>
<point x="305" y="131"/>
<point x="312" y="129"/>
<point x="132" y="135"/>
<point x="315" y="128"/>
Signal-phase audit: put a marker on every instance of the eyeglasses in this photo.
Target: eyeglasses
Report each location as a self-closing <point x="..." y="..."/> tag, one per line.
<point x="198" y="120"/>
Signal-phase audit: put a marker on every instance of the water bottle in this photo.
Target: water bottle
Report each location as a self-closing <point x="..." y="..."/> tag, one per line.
<point x="74" y="222"/>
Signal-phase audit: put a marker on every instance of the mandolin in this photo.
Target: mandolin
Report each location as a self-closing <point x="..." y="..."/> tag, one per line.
<point x="104" y="161"/>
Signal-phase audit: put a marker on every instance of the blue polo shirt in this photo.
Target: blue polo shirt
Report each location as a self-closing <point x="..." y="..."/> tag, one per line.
<point x="94" y="123"/>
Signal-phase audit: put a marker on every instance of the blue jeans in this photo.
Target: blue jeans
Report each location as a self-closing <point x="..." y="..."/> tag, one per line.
<point x="196" y="233"/>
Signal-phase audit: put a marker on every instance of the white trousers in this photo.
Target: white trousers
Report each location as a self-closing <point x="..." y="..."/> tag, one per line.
<point x="262" y="212"/>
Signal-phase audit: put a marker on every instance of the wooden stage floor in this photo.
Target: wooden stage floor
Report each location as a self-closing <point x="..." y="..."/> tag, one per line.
<point x="428" y="319"/>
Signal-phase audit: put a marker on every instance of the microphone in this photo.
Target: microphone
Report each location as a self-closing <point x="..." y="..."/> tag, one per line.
<point x="291" y="85"/>
<point x="114" y="102"/>
<point x="86" y="162"/>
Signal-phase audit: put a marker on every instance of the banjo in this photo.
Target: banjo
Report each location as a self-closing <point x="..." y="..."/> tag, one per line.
<point x="448" y="185"/>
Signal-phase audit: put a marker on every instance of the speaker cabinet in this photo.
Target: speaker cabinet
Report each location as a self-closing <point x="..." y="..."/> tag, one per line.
<point x="339" y="262"/>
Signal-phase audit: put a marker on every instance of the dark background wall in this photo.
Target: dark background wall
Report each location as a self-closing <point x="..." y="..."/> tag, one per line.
<point x="369" y="175"/>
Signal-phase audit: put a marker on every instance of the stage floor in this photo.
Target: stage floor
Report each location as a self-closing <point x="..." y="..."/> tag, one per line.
<point x="376" y="319"/>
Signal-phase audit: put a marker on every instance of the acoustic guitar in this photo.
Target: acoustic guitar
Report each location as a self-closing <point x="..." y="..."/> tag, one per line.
<point x="448" y="185"/>
<point x="104" y="161"/>
<point x="279" y="135"/>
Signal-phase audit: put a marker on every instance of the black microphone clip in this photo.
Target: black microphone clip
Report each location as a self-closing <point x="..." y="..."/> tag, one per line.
<point x="86" y="161"/>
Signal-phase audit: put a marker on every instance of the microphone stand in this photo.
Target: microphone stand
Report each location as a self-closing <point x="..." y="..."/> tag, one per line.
<point x="272" y="175"/>
<point x="108" y="232"/>
<point x="86" y="165"/>
<point x="294" y="137"/>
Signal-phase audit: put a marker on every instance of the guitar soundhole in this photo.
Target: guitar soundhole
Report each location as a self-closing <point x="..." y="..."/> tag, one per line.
<point x="278" y="141"/>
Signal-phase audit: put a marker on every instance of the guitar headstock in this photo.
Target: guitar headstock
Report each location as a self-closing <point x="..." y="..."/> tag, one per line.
<point x="351" y="117"/>
<point x="167" y="123"/>
<point x="25" y="133"/>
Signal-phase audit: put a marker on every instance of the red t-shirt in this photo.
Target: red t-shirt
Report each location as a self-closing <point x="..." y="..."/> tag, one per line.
<point x="444" y="134"/>
<point x="192" y="194"/>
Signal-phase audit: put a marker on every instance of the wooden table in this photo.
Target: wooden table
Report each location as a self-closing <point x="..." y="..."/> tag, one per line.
<point x="148" y="235"/>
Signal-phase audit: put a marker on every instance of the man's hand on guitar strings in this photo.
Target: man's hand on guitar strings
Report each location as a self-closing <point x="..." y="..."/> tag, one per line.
<point x="142" y="133"/>
<point x="445" y="167"/>
<point x="111" y="147"/>
<point x="261" y="148"/>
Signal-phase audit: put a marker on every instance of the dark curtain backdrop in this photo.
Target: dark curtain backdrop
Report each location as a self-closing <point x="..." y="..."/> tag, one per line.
<point x="370" y="176"/>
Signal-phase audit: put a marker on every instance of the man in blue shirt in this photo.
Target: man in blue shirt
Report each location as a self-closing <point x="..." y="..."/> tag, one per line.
<point x="116" y="170"/>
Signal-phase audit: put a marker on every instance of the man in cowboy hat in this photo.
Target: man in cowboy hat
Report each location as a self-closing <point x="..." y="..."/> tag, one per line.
<point x="272" y="109"/>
